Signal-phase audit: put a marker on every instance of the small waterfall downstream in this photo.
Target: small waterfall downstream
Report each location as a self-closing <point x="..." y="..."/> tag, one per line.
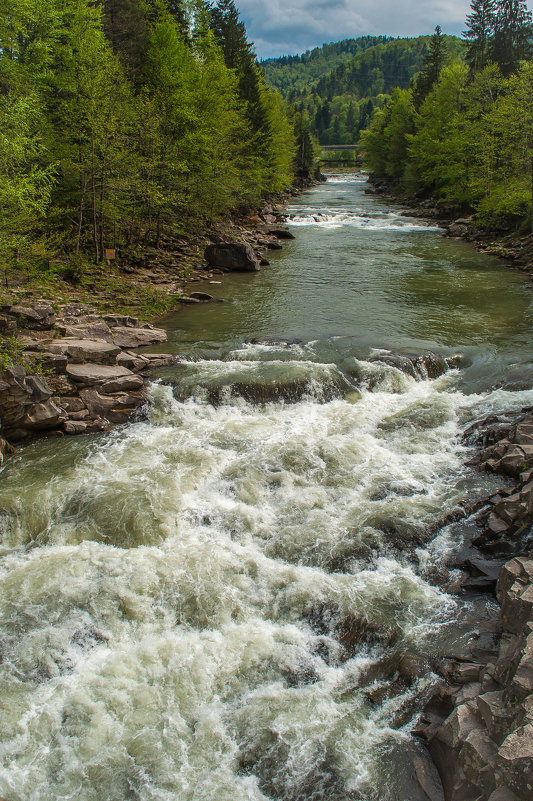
<point x="243" y="594"/>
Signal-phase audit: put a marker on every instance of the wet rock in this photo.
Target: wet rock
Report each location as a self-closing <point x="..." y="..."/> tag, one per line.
<point x="115" y="408"/>
<point x="39" y="315"/>
<point x="125" y="337"/>
<point x="86" y="350"/>
<point x="233" y="256"/>
<point x="420" y="366"/>
<point x="92" y="374"/>
<point x="188" y="300"/>
<point x="205" y="296"/>
<point x="280" y="233"/>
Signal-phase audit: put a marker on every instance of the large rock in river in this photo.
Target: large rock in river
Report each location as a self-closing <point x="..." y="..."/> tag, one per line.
<point x="233" y="256"/>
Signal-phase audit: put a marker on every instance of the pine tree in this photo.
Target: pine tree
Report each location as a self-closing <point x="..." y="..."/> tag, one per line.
<point x="479" y="32"/>
<point x="512" y="32"/>
<point x="434" y="61"/>
<point x="239" y="56"/>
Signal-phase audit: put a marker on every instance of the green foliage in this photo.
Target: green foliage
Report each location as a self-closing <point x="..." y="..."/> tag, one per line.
<point x="340" y="101"/>
<point x="125" y="120"/>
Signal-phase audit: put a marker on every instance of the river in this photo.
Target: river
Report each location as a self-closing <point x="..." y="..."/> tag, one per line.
<point x="215" y="602"/>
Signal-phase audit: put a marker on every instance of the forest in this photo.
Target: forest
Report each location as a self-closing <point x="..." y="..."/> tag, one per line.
<point x="338" y="86"/>
<point x="123" y="122"/>
<point x="462" y="133"/>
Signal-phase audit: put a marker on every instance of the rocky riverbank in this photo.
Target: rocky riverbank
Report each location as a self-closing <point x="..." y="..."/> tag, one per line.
<point x="75" y="370"/>
<point x="478" y="725"/>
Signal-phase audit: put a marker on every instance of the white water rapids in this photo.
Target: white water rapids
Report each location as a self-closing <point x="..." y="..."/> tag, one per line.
<point x="176" y="596"/>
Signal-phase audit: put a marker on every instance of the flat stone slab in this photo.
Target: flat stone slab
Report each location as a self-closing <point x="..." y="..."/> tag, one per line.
<point x="126" y="337"/>
<point x="92" y="374"/>
<point x="86" y="350"/>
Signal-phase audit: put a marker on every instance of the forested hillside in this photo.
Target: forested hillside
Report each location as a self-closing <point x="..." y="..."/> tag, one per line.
<point x="340" y="103"/>
<point x="123" y="121"/>
<point x="294" y="74"/>
<point x="464" y="132"/>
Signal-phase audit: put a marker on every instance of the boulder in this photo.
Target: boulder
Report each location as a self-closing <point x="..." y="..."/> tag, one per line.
<point x="92" y="374"/>
<point x="95" y="330"/>
<point x="126" y="337"/>
<point x="38" y="388"/>
<point x="515" y="761"/>
<point x="86" y="350"/>
<point x="281" y="233"/>
<point x="38" y="315"/>
<point x="233" y="256"/>
<point x="115" y="408"/>
<point x="124" y="384"/>
<point x="74" y="427"/>
<point x="43" y="416"/>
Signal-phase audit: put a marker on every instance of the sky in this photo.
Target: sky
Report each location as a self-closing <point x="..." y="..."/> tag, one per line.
<point x="287" y="27"/>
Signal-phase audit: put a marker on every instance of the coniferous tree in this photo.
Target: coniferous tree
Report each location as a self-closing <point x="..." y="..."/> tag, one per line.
<point x="239" y="56"/>
<point x="479" y="32"/>
<point x="512" y="32"/>
<point x="434" y="61"/>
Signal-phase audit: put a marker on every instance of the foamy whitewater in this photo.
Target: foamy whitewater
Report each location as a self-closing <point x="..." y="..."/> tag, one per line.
<point x="161" y="590"/>
<point x="211" y="603"/>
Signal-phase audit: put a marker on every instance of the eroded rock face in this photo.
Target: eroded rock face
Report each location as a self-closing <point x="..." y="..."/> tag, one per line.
<point x="233" y="256"/>
<point x="90" y="356"/>
<point x="484" y="748"/>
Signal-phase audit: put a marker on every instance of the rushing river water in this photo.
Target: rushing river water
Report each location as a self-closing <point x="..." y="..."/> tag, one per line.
<point x="213" y="603"/>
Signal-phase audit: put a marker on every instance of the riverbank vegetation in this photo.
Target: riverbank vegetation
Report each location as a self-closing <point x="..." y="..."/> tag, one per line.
<point x="126" y="123"/>
<point x="463" y="132"/>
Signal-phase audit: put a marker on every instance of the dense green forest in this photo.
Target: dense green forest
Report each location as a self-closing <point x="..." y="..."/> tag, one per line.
<point x="463" y="133"/>
<point x="294" y="74"/>
<point x="339" y="101"/>
<point x="125" y="121"/>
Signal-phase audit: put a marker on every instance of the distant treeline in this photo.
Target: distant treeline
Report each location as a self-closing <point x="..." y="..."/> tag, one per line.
<point x="125" y="120"/>
<point x="463" y="132"/>
<point x="338" y="99"/>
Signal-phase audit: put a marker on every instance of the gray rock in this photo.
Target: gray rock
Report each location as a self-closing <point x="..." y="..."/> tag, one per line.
<point x="115" y="408"/>
<point x="38" y="315"/>
<point x="38" y="389"/>
<point x="121" y="320"/>
<point x="74" y="427"/>
<point x="124" y="384"/>
<point x="125" y="337"/>
<point x="43" y="416"/>
<point x="92" y="374"/>
<point x="95" y="330"/>
<point x="515" y="761"/>
<point x="233" y="256"/>
<point x="86" y="350"/>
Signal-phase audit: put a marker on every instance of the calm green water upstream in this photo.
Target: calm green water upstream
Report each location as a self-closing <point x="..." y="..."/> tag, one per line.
<point x="211" y="603"/>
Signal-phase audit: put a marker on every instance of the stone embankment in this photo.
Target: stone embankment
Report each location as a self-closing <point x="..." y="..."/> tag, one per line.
<point x="82" y="371"/>
<point x="479" y="724"/>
